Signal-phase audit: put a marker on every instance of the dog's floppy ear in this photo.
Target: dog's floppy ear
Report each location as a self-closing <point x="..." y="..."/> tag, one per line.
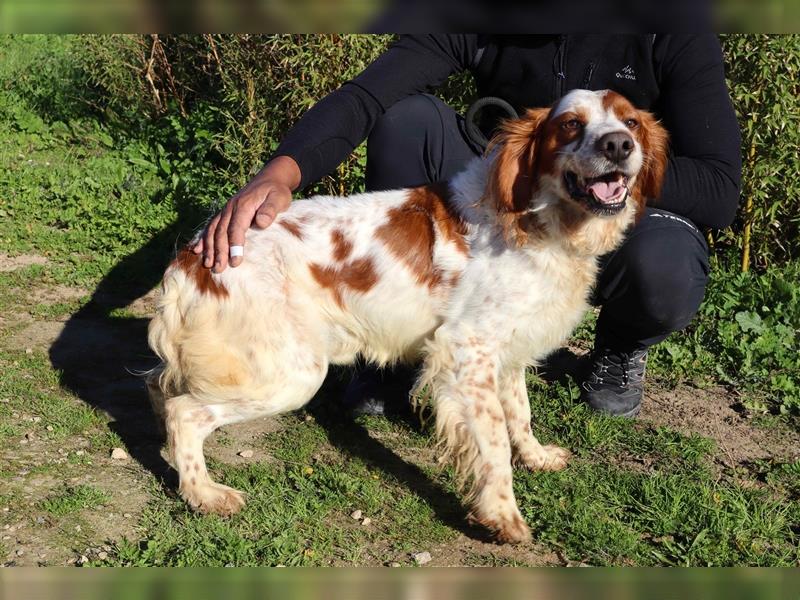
<point x="655" y="147"/>
<point x="512" y="180"/>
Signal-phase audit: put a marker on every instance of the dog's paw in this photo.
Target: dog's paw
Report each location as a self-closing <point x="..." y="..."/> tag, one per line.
<point x="215" y="498"/>
<point x="504" y="530"/>
<point x="550" y="458"/>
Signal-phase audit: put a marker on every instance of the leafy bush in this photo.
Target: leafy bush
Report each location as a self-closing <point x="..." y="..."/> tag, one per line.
<point x="764" y="79"/>
<point x="748" y="335"/>
<point x="254" y="87"/>
<point x="248" y="90"/>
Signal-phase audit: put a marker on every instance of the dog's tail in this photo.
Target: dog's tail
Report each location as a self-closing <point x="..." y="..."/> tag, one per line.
<point x="163" y="334"/>
<point x="185" y="282"/>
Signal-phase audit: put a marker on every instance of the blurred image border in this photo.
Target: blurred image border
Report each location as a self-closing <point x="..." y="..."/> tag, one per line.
<point x="406" y="16"/>
<point x="411" y="584"/>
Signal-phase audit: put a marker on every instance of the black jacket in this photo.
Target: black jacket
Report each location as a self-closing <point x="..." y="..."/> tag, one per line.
<point x="678" y="77"/>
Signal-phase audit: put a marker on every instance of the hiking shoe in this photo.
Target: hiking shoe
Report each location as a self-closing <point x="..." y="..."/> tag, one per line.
<point x="614" y="385"/>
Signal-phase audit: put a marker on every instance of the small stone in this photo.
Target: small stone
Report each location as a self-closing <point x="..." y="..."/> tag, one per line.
<point x="83" y="560"/>
<point x="356" y="514"/>
<point x="422" y="558"/>
<point x="102" y="555"/>
<point x="79" y="453"/>
<point x="72" y="561"/>
<point x="28" y="350"/>
<point x="20" y="552"/>
<point x="5" y="400"/>
<point x="50" y="428"/>
<point x="43" y="556"/>
<point x="307" y="418"/>
<point x="77" y="527"/>
<point x="40" y="520"/>
<point x="366" y="521"/>
<point x="36" y="419"/>
<point x="127" y="515"/>
<point x="119" y="454"/>
<point x="23" y="441"/>
<point x="394" y="564"/>
<point x="246" y="453"/>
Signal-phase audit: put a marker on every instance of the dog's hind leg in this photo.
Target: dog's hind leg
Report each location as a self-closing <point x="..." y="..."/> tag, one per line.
<point x="527" y="450"/>
<point x="189" y="422"/>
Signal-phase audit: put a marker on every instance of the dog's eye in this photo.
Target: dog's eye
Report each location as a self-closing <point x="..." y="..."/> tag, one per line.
<point x="572" y="125"/>
<point x="631" y="123"/>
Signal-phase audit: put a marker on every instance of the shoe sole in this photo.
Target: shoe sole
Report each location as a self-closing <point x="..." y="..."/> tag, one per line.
<point x="631" y="413"/>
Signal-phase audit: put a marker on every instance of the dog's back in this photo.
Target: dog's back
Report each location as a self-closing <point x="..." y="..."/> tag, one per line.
<point x="330" y="279"/>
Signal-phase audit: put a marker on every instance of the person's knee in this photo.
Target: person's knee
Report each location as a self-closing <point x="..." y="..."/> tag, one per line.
<point x="403" y="147"/>
<point x="412" y="115"/>
<point x="668" y="271"/>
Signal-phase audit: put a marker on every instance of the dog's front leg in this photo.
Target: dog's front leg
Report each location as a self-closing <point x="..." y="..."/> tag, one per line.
<point x="471" y="425"/>
<point x="527" y="450"/>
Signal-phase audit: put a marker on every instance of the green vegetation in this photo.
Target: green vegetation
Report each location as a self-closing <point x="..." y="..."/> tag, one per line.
<point x="105" y="172"/>
<point x="74" y="499"/>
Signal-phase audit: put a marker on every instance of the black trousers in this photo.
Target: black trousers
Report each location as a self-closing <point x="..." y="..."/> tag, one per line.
<point x="651" y="286"/>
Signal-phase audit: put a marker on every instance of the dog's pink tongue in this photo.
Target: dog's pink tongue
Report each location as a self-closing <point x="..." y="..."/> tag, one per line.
<point x="607" y="191"/>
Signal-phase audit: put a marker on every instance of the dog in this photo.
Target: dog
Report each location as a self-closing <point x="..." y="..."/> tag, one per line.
<point x="477" y="278"/>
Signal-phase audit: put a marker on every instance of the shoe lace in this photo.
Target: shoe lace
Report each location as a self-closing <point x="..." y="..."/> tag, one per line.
<point x="619" y="368"/>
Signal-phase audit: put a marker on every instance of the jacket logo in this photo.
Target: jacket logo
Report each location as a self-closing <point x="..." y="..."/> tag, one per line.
<point x="627" y="73"/>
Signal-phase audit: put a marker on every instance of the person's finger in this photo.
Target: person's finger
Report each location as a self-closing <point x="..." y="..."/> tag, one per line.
<point x="239" y="223"/>
<point x="221" y="241"/>
<point x="198" y="245"/>
<point x="208" y="242"/>
<point x="277" y="201"/>
<point x="265" y="215"/>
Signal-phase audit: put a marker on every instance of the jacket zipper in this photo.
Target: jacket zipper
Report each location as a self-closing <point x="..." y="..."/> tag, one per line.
<point x="587" y="79"/>
<point x="559" y="64"/>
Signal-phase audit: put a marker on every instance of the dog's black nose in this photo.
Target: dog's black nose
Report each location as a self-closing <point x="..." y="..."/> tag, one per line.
<point x="616" y="146"/>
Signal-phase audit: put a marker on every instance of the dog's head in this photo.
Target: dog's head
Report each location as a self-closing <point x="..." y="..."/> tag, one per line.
<point x="592" y="150"/>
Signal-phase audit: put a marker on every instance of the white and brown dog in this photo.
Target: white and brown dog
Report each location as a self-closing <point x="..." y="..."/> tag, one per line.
<point x="478" y="278"/>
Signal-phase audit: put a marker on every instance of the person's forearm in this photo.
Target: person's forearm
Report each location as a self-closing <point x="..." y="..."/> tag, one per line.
<point x="335" y="125"/>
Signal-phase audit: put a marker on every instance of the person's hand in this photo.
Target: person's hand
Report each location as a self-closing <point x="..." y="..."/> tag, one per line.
<point x="258" y="203"/>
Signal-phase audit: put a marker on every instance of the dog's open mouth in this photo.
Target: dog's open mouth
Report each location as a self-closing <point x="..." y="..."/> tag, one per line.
<point x="604" y="195"/>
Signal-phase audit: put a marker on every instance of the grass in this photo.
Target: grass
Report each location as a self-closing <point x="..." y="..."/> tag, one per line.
<point x="74" y="499"/>
<point x="104" y="209"/>
<point x="297" y="513"/>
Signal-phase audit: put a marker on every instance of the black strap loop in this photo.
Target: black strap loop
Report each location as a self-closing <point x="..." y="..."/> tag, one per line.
<point x="473" y="131"/>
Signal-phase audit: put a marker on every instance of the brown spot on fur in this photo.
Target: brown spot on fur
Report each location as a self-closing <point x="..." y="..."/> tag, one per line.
<point x="503" y="496"/>
<point x="358" y="275"/>
<point x="292" y="227"/>
<point x="412" y="230"/>
<point x="196" y="467"/>
<point x="192" y="265"/>
<point x="342" y="247"/>
<point x="194" y="481"/>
